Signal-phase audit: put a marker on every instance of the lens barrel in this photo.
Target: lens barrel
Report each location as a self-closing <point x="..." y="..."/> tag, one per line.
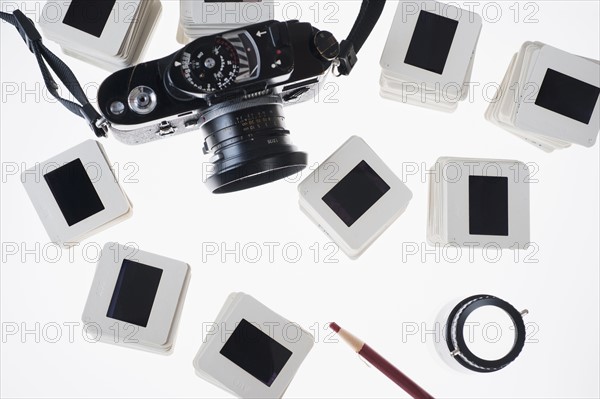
<point x="249" y="143"/>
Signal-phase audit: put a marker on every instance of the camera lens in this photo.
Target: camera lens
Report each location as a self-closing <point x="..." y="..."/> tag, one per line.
<point x="249" y="143"/>
<point x="142" y="100"/>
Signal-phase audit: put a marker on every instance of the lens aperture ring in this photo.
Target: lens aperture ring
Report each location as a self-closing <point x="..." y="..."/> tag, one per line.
<point x="229" y="131"/>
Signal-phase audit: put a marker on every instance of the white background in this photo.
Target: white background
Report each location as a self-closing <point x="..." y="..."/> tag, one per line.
<point x="375" y="297"/>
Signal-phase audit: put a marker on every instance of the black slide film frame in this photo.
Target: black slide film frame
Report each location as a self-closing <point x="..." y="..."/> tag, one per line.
<point x="567" y="96"/>
<point x="488" y="205"/>
<point x="358" y="191"/>
<point x="255" y="352"/>
<point x="134" y="293"/>
<point x="431" y="42"/>
<point x="74" y="192"/>
<point x="89" y="16"/>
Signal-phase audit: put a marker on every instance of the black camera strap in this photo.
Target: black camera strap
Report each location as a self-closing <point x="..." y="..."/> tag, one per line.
<point x="369" y="14"/>
<point x="33" y="39"/>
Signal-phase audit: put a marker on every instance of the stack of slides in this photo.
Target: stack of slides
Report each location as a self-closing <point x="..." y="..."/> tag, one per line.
<point x="208" y="17"/>
<point x="252" y="352"/>
<point x="429" y="54"/>
<point x="136" y="298"/>
<point x="479" y="203"/>
<point x="109" y="34"/>
<point x="549" y="98"/>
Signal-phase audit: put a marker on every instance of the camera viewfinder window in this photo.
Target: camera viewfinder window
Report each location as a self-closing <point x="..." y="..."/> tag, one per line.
<point x="255" y="352"/>
<point x="74" y="192"/>
<point x="488" y="205"/>
<point x="358" y="191"/>
<point x="89" y="16"/>
<point x="431" y="41"/>
<point x="567" y="96"/>
<point x="134" y="293"/>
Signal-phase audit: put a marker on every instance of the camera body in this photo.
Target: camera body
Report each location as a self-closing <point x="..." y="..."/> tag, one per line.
<point x="232" y="87"/>
<point x="280" y="62"/>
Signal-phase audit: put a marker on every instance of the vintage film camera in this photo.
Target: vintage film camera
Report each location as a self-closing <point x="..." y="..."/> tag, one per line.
<point x="232" y="86"/>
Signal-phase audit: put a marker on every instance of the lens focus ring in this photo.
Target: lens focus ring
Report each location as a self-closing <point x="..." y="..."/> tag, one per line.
<point x="249" y="143"/>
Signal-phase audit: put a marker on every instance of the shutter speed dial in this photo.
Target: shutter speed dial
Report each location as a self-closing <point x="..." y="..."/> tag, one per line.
<point x="210" y="68"/>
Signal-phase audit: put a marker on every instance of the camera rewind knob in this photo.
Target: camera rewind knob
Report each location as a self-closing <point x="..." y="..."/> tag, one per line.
<point x="326" y="45"/>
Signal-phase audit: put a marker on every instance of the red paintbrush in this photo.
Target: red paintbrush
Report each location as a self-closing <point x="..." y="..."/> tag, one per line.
<point x="364" y="350"/>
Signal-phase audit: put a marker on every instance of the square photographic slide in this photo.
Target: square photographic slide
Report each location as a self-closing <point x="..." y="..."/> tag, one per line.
<point x="76" y="193"/>
<point x="356" y="199"/>
<point x="111" y="34"/>
<point x="136" y="298"/>
<point x="252" y="352"/>
<point x="479" y="203"/>
<point x="559" y="101"/>
<point x="429" y="54"/>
